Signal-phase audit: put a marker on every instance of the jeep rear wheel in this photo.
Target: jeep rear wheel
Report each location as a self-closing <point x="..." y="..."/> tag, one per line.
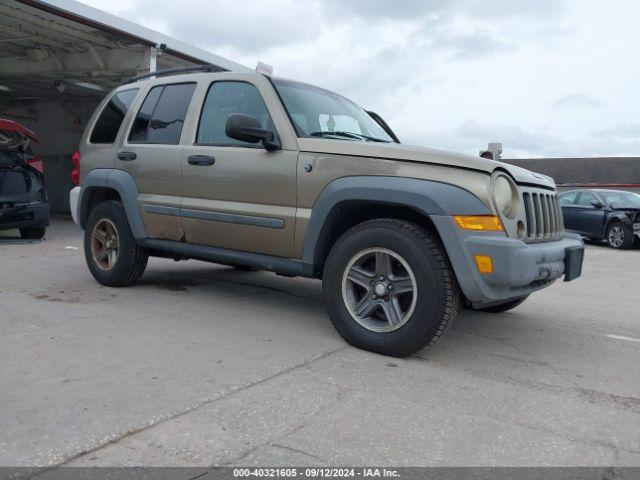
<point x="388" y="287"/>
<point x="111" y="252"/>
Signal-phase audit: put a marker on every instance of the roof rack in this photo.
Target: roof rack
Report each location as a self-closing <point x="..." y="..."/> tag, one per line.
<point x="171" y="71"/>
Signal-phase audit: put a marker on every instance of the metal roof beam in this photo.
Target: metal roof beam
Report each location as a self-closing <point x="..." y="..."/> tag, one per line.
<point x="39" y="38"/>
<point x="96" y="56"/>
<point x="129" y="59"/>
<point x="18" y="39"/>
<point x="72" y="34"/>
<point x="106" y="22"/>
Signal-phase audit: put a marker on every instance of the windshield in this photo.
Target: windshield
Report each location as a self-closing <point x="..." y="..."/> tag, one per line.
<point x="320" y="113"/>
<point x="626" y="199"/>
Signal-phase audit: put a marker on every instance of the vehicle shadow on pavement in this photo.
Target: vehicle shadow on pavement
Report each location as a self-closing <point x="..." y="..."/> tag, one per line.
<point x="16" y="241"/>
<point x="258" y="288"/>
<point x="222" y="278"/>
<point x="12" y="237"/>
<point x="603" y="244"/>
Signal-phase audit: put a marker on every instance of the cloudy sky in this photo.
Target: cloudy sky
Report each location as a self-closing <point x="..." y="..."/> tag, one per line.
<point x="545" y="77"/>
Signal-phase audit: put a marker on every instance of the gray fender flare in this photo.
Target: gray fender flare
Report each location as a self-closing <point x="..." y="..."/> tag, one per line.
<point x="424" y="196"/>
<point x="121" y="182"/>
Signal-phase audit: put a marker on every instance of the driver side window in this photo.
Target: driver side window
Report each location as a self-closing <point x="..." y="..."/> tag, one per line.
<point x="223" y="99"/>
<point x="586" y="198"/>
<point x="568" y="198"/>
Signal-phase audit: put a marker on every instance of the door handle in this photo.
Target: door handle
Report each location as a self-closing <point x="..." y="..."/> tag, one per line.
<point x="127" y="156"/>
<point x="201" y="160"/>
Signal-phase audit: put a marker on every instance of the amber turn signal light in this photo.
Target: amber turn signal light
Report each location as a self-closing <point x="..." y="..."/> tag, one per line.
<point x="487" y="223"/>
<point x="484" y="263"/>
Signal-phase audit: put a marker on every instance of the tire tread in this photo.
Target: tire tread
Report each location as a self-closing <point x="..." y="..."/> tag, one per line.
<point x="628" y="236"/>
<point x="136" y="256"/>
<point x="428" y="241"/>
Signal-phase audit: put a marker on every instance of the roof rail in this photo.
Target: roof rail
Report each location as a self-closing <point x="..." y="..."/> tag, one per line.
<point x="171" y="71"/>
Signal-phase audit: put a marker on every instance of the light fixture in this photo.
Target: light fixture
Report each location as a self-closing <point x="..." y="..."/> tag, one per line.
<point x="484" y="263"/>
<point x="488" y="223"/>
<point x="4" y="88"/>
<point x="89" y="86"/>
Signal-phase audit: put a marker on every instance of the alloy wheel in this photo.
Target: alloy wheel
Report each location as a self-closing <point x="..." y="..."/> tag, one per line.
<point x="379" y="289"/>
<point x="616" y="236"/>
<point x="104" y="244"/>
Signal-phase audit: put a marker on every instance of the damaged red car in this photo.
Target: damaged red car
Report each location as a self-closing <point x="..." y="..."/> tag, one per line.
<point x="23" y="197"/>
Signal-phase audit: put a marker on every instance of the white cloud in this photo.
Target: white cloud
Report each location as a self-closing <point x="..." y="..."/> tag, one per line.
<point x="577" y="100"/>
<point x="550" y="77"/>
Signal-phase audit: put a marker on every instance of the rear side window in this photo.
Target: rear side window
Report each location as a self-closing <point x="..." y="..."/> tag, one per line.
<point x="109" y="121"/>
<point x="162" y="114"/>
<point x="143" y="119"/>
<point x="223" y="99"/>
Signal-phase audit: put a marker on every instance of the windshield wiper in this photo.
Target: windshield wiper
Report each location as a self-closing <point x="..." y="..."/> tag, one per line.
<point x="355" y="136"/>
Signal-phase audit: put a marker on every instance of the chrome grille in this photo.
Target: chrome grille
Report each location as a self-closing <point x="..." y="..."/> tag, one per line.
<point x="543" y="215"/>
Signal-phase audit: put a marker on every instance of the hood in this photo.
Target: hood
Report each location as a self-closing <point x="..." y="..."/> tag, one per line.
<point x="14" y="136"/>
<point x="409" y="153"/>
<point x="626" y="208"/>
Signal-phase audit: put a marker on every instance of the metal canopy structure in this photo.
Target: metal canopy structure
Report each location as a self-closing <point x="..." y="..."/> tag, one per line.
<point x="59" y="58"/>
<point x="65" y="49"/>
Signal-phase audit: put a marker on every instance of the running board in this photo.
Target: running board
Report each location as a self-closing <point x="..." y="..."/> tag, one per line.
<point x="284" y="266"/>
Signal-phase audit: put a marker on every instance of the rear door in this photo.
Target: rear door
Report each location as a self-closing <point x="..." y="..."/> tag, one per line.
<point x="238" y="195"/>
<point x="152" y="154"/>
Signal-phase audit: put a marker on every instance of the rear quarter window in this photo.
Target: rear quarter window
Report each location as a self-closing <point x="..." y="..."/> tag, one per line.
<point x="110" y="119"/>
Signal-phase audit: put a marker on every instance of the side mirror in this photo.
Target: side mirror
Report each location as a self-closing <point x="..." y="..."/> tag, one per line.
<point x="248" y="129"/>
<point x="597" y="203"/>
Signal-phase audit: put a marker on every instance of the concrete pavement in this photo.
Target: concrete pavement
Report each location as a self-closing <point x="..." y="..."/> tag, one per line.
<point x="200" y="364"/>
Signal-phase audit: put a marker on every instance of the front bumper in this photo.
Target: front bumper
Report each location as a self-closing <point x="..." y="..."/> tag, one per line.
<point x="518" y="268"/>
<point x="24" y="216"/>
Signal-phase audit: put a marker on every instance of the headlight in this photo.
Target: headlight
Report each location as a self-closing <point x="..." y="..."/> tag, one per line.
<point x="505" y="196"/>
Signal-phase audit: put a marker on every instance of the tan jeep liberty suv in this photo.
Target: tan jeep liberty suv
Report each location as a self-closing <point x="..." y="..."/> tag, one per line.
<point x="252" y="171"/>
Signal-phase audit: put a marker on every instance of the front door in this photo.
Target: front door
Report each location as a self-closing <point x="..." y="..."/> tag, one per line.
<point x="237" y="195"/>
<point x="588" y="218"/>
<point x="569" y="209"/>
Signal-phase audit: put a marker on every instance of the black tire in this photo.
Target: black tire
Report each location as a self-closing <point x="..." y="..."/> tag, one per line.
<point x="614" y="241"/>
<point x="432" y="313"/>
<point x="503" y="307"/>
<point x="33" y="233"/>
<point x="131" y="259"/>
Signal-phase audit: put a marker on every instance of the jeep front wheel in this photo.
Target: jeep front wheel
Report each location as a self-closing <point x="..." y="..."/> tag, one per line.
<point x="388" y="287"/>
<point x="112" y="254"/>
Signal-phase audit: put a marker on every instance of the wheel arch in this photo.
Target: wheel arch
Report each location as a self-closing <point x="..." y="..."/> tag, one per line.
<point x="111" y="184"/>
<point x="351" y="200"/>
<point x="616" y="217"/>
